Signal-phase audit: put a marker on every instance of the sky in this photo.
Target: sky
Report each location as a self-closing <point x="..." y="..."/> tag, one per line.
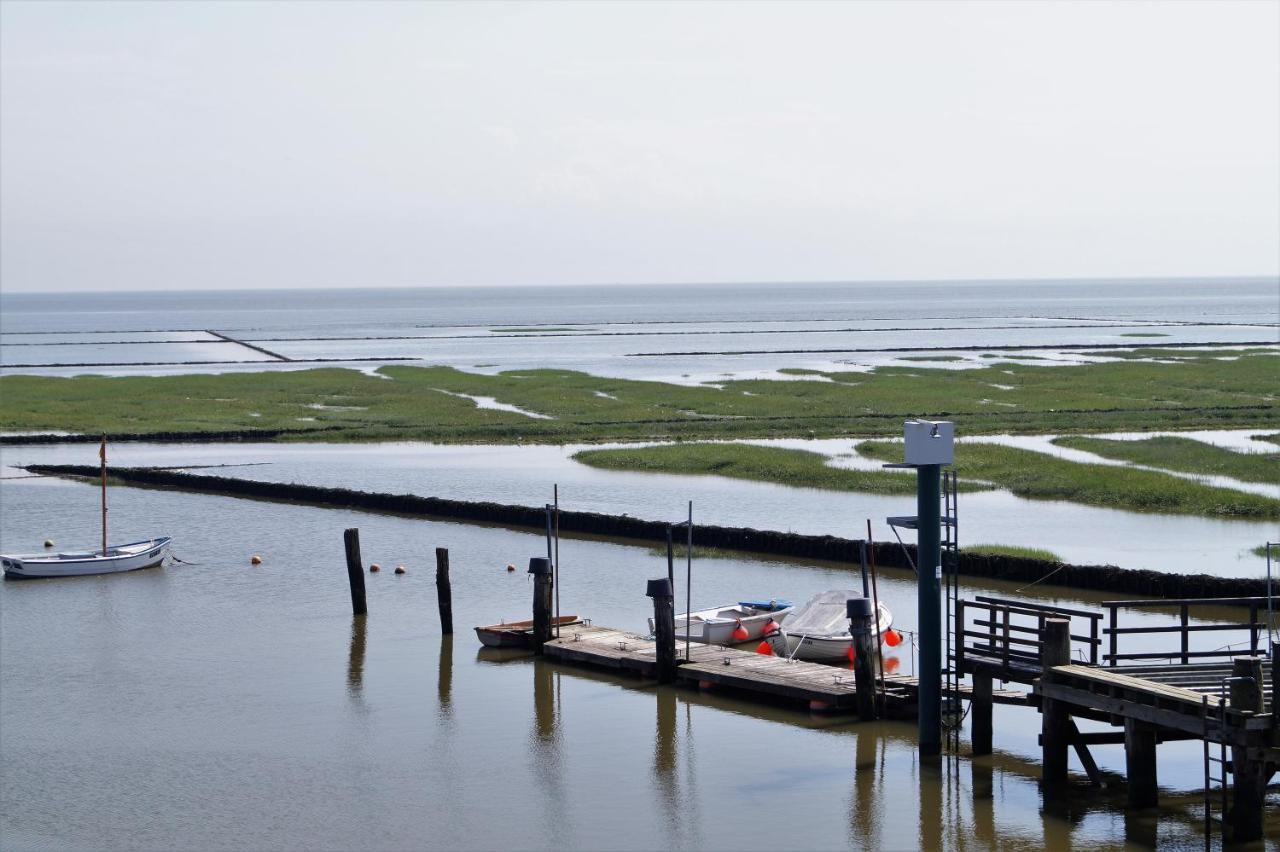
<point x="166" y="146"/>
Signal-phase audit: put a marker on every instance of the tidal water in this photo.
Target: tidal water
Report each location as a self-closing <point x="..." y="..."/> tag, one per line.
<point x="216" y="705"/>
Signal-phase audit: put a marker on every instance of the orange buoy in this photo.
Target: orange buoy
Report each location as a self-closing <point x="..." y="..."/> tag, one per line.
<point x="255" y="560"/>
<point x="771" y="628"/>
<point x="850" y="653"/>
<point x="765" y="648"/>
<point x="892" y="638"/>
<point x="740" y="633"/>
<point x="375" y="568"/>
<point x="399" y="569"/>
<point x="510" y="567"/>
<point x="891" y="665"/>
<point x="48" y="542"/>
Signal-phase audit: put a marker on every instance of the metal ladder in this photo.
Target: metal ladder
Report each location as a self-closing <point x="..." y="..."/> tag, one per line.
<point x="1214" y="764"/>
<point x="951" y="595"/>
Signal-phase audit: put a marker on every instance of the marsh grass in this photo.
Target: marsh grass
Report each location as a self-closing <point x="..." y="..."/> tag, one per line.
<point x="1039" y="476"/>
<point x="1273" y="438"/>
<point x="1013" y="550"/>
<point x="1261" y="551"/>
<point x="403" y="402"/>
<point x="1185" y="455"/>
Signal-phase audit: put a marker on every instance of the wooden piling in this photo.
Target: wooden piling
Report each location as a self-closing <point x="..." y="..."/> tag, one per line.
<point x="860" y="612"/>
<point x="444" y="591"/>
<point x="981" y="714"/>
<point x="1055" y="735"/>
<point x="664" y="627"/>
<point x="355" y="570"/>
<point x="1249" y="774"/>
<point x="1140" y="764"/>
<point x="540" y="568"/>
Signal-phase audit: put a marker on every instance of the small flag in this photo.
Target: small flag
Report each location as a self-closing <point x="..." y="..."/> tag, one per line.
<point x="102" y="450"/>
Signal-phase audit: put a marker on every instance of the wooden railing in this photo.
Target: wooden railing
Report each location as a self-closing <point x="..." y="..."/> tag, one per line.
<point x="1184" y="628"/>
<point x="1009" y="631"/>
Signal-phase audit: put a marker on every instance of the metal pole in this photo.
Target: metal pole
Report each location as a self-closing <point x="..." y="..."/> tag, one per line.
<point x="862" y="554"/>
<point x="102" y="453"/>
<point x="555" y="566"/>
<point x="929" y="577"/>
<point x="688" y="583"/>
<point x="1271" y="625"/>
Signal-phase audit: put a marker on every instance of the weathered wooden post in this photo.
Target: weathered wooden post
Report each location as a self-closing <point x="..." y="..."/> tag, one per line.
<point x="664" y="626"/>
<point x="540" y="568"/>
<point x="1055" y="720"/>
<point x="1140" y="764"/>
<point x="860" y="612"/>
<point x="1249" y="775"/>
<point x="355" y="570"/>
<point x="980" y="713"/>
<point x="444" y="591"/>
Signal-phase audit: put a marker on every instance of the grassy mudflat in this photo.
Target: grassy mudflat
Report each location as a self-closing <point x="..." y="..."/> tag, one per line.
<point x="781" y="466"/>
<point x="1273" y="438"/>
<point x="407" y="402"/>
<point x="1039" y="476"/>
<point x="1013" y="550"/>
<point x="1184" y="454"/>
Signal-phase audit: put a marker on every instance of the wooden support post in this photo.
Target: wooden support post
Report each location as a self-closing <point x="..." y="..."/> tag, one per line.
<point x="1140" y="764"/>
<point x="355" y="570"/>
<point x="664" y="627"/>
<point x="444" y="591"/>
<point x="540" y="568"/>
<point x="1055" y="721"/>
<point x="980" y="713"/>
<point x="1084" y="755"/>
<point x="861" y="614"/>
<point x="1248" y="774"/>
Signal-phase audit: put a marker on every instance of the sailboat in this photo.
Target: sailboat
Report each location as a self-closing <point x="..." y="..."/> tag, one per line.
<point x="109" y="560"/>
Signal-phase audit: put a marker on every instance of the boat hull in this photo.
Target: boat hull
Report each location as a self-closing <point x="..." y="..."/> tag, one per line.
<point x="516" y="634"/>
<point x="820" y="649"/>
<point x="716" y="626"/>
<point x="135" y="556"/>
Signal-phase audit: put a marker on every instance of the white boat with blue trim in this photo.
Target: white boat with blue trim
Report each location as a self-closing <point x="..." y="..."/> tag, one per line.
<point x="126" y="557"/>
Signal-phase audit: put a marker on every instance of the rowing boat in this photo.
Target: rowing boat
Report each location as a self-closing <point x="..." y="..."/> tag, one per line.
<point x="112" y="560"/>
<point x="516" y="634"/>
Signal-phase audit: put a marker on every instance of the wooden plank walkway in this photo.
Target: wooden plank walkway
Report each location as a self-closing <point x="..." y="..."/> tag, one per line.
<point x="745" y="671"/>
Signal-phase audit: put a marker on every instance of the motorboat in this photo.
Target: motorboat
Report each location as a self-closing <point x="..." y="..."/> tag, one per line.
<point x="110" y="560"/>
<point x="724" y="625"/>
<point x="819" y="630"/>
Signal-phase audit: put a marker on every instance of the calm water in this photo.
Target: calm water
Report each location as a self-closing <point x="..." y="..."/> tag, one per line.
<point x="216" y="705"/>
<point x="693" y="333"/>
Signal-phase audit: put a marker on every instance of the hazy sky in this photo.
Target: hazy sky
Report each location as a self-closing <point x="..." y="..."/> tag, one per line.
<point x="240" y="144"/>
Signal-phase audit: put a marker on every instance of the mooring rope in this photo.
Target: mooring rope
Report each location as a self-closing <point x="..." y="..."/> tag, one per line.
<point x="1042" y="579"/>
<point x="183" y="561"/>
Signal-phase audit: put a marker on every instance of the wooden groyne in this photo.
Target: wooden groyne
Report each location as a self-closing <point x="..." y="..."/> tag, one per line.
<point x="1108" y="578"/>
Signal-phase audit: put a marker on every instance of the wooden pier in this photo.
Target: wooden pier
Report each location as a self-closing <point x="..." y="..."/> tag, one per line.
<point x="751" y="674"/>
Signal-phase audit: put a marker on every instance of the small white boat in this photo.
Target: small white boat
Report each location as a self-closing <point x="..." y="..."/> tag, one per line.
<point x="126" y="557"/>
<point x="819" y="630"/>
<point x="716" y="626"/>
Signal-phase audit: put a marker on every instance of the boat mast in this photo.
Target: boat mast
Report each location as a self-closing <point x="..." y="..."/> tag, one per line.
<point x="102" y="454"/>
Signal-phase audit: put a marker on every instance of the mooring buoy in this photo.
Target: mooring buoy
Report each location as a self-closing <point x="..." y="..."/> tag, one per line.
<point x="255" y="560"/>
<point x="374" y="568"/>
<point x="48" y="542"/>
<point x="400" y="569"/>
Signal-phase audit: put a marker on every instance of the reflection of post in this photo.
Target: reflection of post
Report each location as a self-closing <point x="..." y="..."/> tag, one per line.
<point x="664" y="742"/>
<point x="444" y="681"/>
<point x="355" y="658"/>
<point x="544" y="701"/>
<point x="866" y="831"/>
<point x="931" y="815"/>
<point x="984" y="822"/>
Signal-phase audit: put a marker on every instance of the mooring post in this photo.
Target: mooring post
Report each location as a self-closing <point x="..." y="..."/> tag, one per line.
<point x="980" y="713"/>
<point x="664" y="627"/>
<point x="859" y="611"/>
<point x="1055" y="727"/>
<point x="1140" y="764"/>
<point x="355" y="570"/>
<point x="444" y="591"/>
<point x="1249" y="775"/>
<point x="540" y="568"/>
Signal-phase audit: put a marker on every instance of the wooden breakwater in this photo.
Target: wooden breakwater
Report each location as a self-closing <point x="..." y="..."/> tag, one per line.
<point x="1107" y="578"/>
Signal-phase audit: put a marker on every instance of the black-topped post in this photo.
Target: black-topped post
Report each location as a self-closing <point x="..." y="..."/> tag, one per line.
<point x="861" y="621"/>
<point x="540" y="568"/>
<point x="664" y="627"/>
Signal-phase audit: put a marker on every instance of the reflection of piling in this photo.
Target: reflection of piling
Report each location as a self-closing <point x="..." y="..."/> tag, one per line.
<point x="444" y="591"/>
<point x="540" y="568"/>
<point x="1249" y="774"/>
<point x="544" y="702"/>
<point x="444" y="679"/>
<point x="355" y="570"/>
<point x="860" y="615"/>
<point x="355" y="657"/>
<point x="664" y="627"/>
<point x="1055" y="722"/>
<point x="664" y="745"/>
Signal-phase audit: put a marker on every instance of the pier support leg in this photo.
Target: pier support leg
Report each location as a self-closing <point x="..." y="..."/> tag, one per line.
<point x="540" y="568"/>
<point x="355" y="570"/>
<point x="1140" y="764"/>
<point x="981" y="712"/>
<point x="664" y="627"/>
<point x="444" y="591"/>
<point x="1248" y="776"/>
<point x="861" y="617"/>
<point x="1055" y="720"/>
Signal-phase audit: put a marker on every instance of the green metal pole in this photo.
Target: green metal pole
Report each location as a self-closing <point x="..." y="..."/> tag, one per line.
<point x="929" y="613"/>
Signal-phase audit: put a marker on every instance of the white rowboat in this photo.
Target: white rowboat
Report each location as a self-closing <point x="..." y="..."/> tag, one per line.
<point x="126" y="557"/>
<point x="716" y="626"/>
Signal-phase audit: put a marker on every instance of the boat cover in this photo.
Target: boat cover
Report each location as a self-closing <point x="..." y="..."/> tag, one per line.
<point x="766" y="606"/>
<point x="824" y="614"/>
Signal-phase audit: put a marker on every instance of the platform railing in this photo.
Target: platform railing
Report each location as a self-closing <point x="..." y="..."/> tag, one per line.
<point x="1184" y="628"/>
<point x="1009" y="630"/>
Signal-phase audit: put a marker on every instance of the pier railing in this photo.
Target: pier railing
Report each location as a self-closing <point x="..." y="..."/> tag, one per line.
<point x="1003" y="632"/>
<point x="1184" y="628"/>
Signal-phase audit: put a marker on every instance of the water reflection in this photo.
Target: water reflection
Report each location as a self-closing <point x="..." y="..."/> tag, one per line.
<point x="864" y="822"/>
<point x="547" y="749"/>
<point x="664" y="756"/>
<point x="444" y="678"/>
<point x="983" y="790"/>
<point x="355" y="658"/>
<point x="931" y="781"/>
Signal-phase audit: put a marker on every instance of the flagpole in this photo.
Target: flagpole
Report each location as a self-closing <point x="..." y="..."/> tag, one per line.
<point x="102" y="454"/>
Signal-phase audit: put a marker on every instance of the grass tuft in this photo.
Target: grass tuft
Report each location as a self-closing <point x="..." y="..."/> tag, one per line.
<point x="1013" y="550"/>
<point x="1185" y="455"/>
